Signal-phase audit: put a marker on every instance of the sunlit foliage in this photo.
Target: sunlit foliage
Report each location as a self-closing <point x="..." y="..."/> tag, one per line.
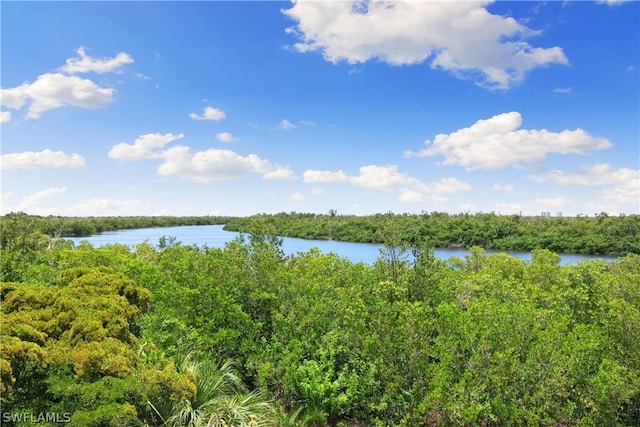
<point x="142" y="335"/>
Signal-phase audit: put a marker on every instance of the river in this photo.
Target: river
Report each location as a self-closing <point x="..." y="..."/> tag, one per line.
<point x="215" y="237"/>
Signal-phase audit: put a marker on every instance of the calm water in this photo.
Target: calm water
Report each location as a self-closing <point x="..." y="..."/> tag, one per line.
<point x="215" y="237"/>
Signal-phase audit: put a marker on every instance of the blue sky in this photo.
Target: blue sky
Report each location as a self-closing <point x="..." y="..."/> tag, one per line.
<point x="236" y="108"/>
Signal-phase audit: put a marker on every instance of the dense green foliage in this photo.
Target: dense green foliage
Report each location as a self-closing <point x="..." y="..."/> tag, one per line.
<point x="601" y="235"/>
<point x="60" y="226"/>
<point x="69" y="347"/>
<point x="143" y="335"/>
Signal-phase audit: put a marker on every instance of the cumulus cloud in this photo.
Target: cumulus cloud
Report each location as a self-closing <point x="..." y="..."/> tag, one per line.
<point x="279" y="173"/>
<point x="448" y="186"/>
<point x="5" y="116"/>
<point x="85" y="63"/>
<point x="297" y="196"/>
<point x="209" y="113"/>
<point x="144" y="147"/>
<point x="460" y="37"/>
<point x="203" y="166"/>
<point x="44" y="159"/>
<point x="497" y="143"/>
<point x="598" y="174"/>
<point x="386" y="178"/>
<point x="390" y="179"/>
<point x="623" y="184"/>
<point x="225" y="137"/>
<point x="217" y="165"/>
<point x="53" y="90"/>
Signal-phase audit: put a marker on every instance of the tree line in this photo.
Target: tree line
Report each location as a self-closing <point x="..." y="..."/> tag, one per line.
<point x="601" y="234"/>
<point x="65" y="226"/>
<point x="243" y="335"/>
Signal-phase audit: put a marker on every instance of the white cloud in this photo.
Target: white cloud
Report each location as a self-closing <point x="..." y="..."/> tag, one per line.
<point x="41" y="160"/>
<point x="448" y="186"/>
<point x="209" y="113"/>
<point x="500" y="187"/>
<point x="286" y="125"/>
<point x="624" y="183"/>
<point x="225" y="137"/>
<point x="598" y="174"/>
<point x="202" y="166"/>
<point x="297" y="196"/>
<point x="308" y="122"/>
<point x="53" y="90"/>
<point x="5" y="116"/>
<point x="85" y="63"/>
<point x="217" y="165"/>
<point x="628" y="192"/>
<point x="460" y="37"/>
<point x="390" y="179"/>
<point x="28" y="202"/>
<point x="497" y="143"/>
<point x="383" y="178"/>
<point x="279" y="173"/>
<point x="144" y="147"/>
<point x="15" y="97"/>
<point x="563" y="90"/>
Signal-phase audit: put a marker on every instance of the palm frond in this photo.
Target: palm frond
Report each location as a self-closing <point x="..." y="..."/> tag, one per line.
<point x="221" y="399"/>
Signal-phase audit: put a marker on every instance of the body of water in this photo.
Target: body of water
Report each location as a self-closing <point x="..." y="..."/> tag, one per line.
<point x="214" y="236"/>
